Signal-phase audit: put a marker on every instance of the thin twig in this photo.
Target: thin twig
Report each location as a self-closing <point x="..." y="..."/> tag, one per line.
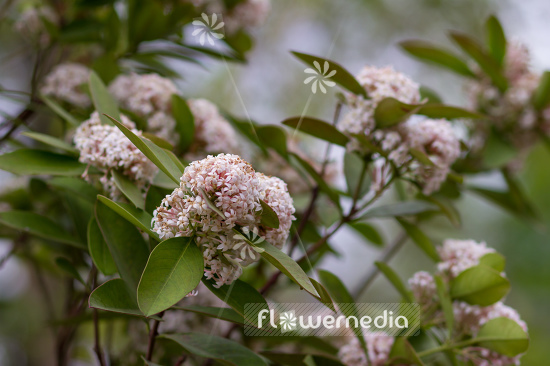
<point x="152" y="338"/>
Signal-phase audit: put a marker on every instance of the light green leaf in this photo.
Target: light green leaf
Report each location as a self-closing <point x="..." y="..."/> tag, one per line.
<point x="479" y="285"/>
<point x="369" y="232"/>
<point x="210" y="204"/>
<point x="419" y="238"/>
<point x="447" y="111"/>
<point x="60" y="111"/>
<point x="51" y="141"/>
<point x="394" y="280"/>
<point x="38" y="162"/>
<point x="496" y="40"/>
<point x="40" y="226"/>
<point x="104" y="103"/>
<point x="503" y="335"/>
<point x="129" y="189"/>
<point x="317" y="128"/>
<point x="391" y="111"/>
<point x="446" y="304"/>
<point x="160" y="142"/>
<point x="185" y="122"/>
<point x="421" y="157"/>
<point x="494" y="260"/>
<point x="399" y="209"/>
<point x="269" y="218"/>
<point x="99" y="251"/>
<point x="68" y="267"/>
<point x="163" y="181"/>
<point x="114" y="296"/>
<point x="175" y="267"/>
<point x="134" y="215"/>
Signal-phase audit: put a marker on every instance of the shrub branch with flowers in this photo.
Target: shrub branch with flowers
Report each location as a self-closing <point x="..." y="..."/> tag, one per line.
<point x="159" y="226"/>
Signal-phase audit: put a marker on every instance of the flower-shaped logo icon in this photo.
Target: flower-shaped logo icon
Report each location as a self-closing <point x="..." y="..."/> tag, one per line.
<point x="287" y="321"/>
<point x="320" y="77"/>
<point x="207" y="29"/>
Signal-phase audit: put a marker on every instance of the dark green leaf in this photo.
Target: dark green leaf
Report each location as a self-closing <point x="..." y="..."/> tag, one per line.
<point x="355" y="171"/>
<point x="369" y="232"/>
<point x="160" y="142"/>
<point x="324" y="296"/>
<point x="430" y="95"/>
<point x="99" y="251"/>
<point x="38" y="162"/>
<point x="68" y="267"/>
<point x="134" y="215"/>
<point x="75" y="185"/>
<point x="226" y="314"/>
<point x="446" y="304"/>
<point x="399" y="209"/>
<point x="394" y="280"/>
<point x="129" y="189"/>
<point x="503" y="335"/>
<point x="403" y="353"/>
<point x="185" y="122"/>
<point x="391" y="111"/>
<point x="317" y="128"/>
<point x="479" y="285"/>
<point x="496" y="40"/>
<point x="269" y="218"/>
<point x="419" y="238"/>
<point x="51" y="141"/>
<point x="104" y="103"/>
<point x="60" y="111"/>
<point x="541" y="97"/>
<point x="274" y="137"/>
<point x="114" y="295"/>
<point x="447" y="111"/>
<point x="440" y="57"/>
<point x="154" y="198"/>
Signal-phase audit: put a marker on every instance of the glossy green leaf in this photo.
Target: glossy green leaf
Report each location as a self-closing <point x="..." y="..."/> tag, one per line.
<point x="38" y="162"/>
<point x="391" y="111"/>
<point x="355" y="171"/>
<point x="223" y="350"/>
<point x="496" y="40"/>
<point x="419" y="238"/>
<point x="68" y="267"/>
<point x="269" y="217"/>
<point x="369" y="232"/>
<point x="427" y="52"/>
<point x="134" y="215"/>
<point x="494" y="260"/>
<point x="446" y="304"/>
<point x="489" y="66"/>
<point x="115" y="296"/>
<point x="317" y="128"/>
<point x="129" y="189"/>
<point x="163" y="181"/>
<point x="40" y="226"/>
<point x="342" y="77"/>
<point x="447" y="111"/>
<point x="60" y="111"/>
<point x="394" y="279"/>
<point x="402" y="353"/>
<point x="75" y="185"/>
<point x="274" y="137"/>
<point x="185" y="122"/>
<point x="99" y="251"/>
<point x="51" y="141"/>
<point x="104" y="103"/>
<point x="541" y="97"/>
<point x="399" y="209"/>
<point x="175" y="267"/>
<point x="226" y="314"/>
<point x="126" y="245"/>
<point x="479" y="285"/>
<point x="503" y="335"/>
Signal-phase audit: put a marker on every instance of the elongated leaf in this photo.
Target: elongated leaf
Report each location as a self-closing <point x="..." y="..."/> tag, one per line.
<point x="126" y="245"/>
<point x="99" y="251"/>
<point x="369" y="232"/>
<point x="38" y="162"/>
<point x="391" y="111"/>
<point x="421" y="157"/>
<point x="503" y="335"/>
<point x="114" y="295"/>
<point x="51" y="141"/>
<point x="324" y="295"/>
<point x="394" y="280"/>
<point x="160" y="142"/>
<point x="226" y="351"/>
<point x="129" y="189"/>
<point x="355" y="172"/>
<point x="175" y="267"/>
<point x="489" y="66"/>
<point x="496" y="40"/>
<point x="156" y="154"/>
<point x="447" y="111"/>
<point x="163" y="181"/>
<point x="269" y="218"/>
<point x="154" y="198"/>
<point x="430" y="95"/>
<point x="342" y="76"/>
<point x="446" y="304"/>
<point x="210" y="204"/>
<point x="226" y="314"/>
<point x="40" y="226"/>
<point x="134" y="215"/>
<point x="505" y="201"/>
<point x="479" y="285"/>
<point x="419" y="238"/>
<point x="80" y="212"/>
<point x="68" y="267"/>
<point x="60" y="111"/>
<point x="541" y="97"/>
<point x="317" y="128"/>
<point x="427" y="52"/>
<point x="399" y="209"/>
<point x="75" y="185"/>
<point x="403" y="353"/>
<point x="104" y="103"/>
<point x="274" y="137"/>
<point x="185" y="122"/>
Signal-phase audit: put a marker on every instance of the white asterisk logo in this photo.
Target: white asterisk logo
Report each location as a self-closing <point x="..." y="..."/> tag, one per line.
<point x="321" y="77"/>
<point x="207" y="29"/>
<point x="287" y="321"/>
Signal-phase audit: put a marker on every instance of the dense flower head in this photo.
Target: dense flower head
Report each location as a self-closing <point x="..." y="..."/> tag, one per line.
<point x="31" y="23"/>
<point x="107" y="148"/>
<point x="378" y="345"/>
<point x="459" y="255"/>
<point x="65" y="83"/>
<point x="423" y="287"/>
<point x="235" y="189"/>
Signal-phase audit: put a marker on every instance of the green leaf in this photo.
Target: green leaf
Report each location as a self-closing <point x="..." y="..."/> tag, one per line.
<point x="160" y="142"/>
<point x="175" y="267"/>
<point x="426" y="52"/>
<point x="274" y="137"/>
<point x="447" y="111"/>
<point x="446" y="304"/>
<point x="154" y="198"/>
<point x="185" y="122"/>
<point x="38" y="162"/>
<point x="496" y="40"/>
<point x="115" y="296"/>
<point x="68" y="267"/>
<point x="80" y="212"/>
<point x="38" y="225"/>
<point x="479" y="285"/>
<point x="391" y="111"/>
<point x="494" y="260"/>
<point x="104" y="103"/>
<point x="421" y="157"/>
<point x="506" y="201"/>
<point x="541" y="96"/>
<point x="126" y="244"/>
<point x="156" y="154"/>
<point x="342" y="76"/>
<point x="99" y="251"/>
<point x="399" y="209"/>
<point x="51" y="141"/>
<point x="419" y="238"/>
<point x="269" y="218"/>
<point x="237" y="295"/>
<point x="210" y="204"/>
<point x="134" y="215"/>
<point x="324" y="295"/>
<point x="60" y="111"/>
<point x="226" y="314"/>
<point x="75" y="185"/>
<point x="430" y="95"/>
<point x="223" y="350"/>
<point x="369" y="232"/>
<point x="489" y="66"/>
<point x="355" y="171"/>
<point x="287" y="265"/>
<point x="503" y="335"/>
<point x="129" y="189"/>
<point x="403" y="353"/>
<point x="394" y="280"/>
<point x="163" y="181"/>
<point x="317" y="128"/>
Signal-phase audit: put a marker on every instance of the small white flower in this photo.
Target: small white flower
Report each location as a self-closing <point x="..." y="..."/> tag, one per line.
<point x="206" y="28"/>
<point x="287" y="320"/>
<point x="320" y="77"/>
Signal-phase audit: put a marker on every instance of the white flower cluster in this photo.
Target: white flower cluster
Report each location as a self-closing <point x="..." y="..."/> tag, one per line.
<point x="378" y="345"/>
<point x="435" y="138"/>
<point x="245" y="14"/>
<point x="459" y="255"/>
<point x="149" y="96"/>
<point x="423" y="287"/>
<point x="107" y="148"/>
<point x="235" y="189"/>
<point x="65" y="83"/>
<point x="31" y="23"/>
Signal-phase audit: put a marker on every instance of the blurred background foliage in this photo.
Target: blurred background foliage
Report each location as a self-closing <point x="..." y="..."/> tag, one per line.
<point x="270" y="85"/>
